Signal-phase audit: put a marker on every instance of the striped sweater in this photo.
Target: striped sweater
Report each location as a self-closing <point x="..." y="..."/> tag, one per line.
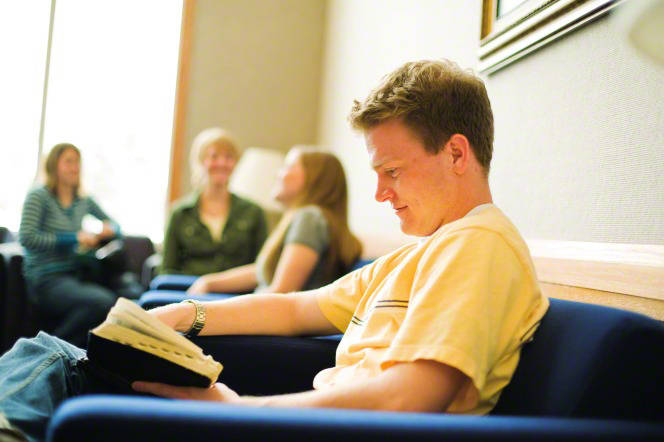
<point x="48" y="232"/>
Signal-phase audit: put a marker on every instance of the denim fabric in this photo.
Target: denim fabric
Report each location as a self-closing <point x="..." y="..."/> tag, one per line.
<point x="72" y="305"/>
<point x="36" y="376"/>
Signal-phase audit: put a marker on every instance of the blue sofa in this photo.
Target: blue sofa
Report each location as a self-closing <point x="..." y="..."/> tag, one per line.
<point x="591" y="373"/>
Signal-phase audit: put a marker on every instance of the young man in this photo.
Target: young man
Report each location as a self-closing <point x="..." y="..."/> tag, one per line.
<point x="434" y="326"/>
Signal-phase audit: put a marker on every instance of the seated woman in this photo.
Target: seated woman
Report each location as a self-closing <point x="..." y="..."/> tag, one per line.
<point x="312" y="245"/>
<point x="52" y="235"/>
<point x="212" y="230"/>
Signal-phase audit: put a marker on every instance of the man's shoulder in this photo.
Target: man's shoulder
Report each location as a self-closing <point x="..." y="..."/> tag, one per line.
<point x="490" y="219"/>
<point x="487" y="225"/>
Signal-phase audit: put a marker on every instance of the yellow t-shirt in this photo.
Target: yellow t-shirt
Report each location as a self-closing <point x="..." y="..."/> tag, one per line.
<point x="467" y="297"/>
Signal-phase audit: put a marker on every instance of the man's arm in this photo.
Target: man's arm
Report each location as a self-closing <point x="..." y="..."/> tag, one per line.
<point x="420" y="386"/>
<point x="292" y="314"/>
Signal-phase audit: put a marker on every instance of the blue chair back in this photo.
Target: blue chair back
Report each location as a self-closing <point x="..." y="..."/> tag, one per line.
<point x="589" y="361"/>
<point x="359" y="264"/>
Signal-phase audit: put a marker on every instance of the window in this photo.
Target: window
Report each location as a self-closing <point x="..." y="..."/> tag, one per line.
<point x="111" y="92"/>
<point x="23" y="49"/>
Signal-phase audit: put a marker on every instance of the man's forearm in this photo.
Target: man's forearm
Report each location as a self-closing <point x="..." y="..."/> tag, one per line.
<point x="361" y="397"/>
<point x="293" y="314"/>
<point x="422" y="386"/>
<point x="256" y="314"/>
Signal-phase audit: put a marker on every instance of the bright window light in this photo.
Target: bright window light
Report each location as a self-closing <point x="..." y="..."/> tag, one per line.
<point x="23" y="48"/>
<point x="111" y="92"/>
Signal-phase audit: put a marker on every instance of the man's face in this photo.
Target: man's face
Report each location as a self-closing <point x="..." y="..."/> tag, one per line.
<point x="418" y="185"/>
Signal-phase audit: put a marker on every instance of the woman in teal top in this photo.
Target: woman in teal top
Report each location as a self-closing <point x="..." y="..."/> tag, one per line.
<point x="213" y="229"/>
<point x="52" y="236"/>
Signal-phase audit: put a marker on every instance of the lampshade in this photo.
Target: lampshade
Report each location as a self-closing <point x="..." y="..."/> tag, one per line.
<point x="255" y="176"/>
<point x="644" y="23"/>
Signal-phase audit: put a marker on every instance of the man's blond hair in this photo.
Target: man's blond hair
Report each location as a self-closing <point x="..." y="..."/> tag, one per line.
<point x="435" y="99"/>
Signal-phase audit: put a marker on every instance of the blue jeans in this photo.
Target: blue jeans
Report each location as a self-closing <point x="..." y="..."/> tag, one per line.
<point x="74" y="305"/>
<point x="36" y="375"/>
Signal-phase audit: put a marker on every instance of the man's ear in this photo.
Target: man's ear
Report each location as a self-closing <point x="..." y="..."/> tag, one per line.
<point x="460" y="150"/>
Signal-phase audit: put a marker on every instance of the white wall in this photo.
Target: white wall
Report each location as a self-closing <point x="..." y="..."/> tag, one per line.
<point x="255" y="70"/>
<point x="579" y="149"/>
<point x="365" y="40"/>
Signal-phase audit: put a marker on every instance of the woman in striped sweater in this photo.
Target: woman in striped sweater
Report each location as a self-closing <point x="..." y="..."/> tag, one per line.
<point x="52" y="235"/>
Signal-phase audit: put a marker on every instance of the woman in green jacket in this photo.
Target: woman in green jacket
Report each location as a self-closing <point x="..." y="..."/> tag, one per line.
<point x="212" y="229"/>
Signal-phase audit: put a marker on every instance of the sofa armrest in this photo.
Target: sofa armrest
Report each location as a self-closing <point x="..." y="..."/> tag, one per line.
<point x="267" y="365"/>
<point x="172" y="282"/>
<point x="150" y="419"/>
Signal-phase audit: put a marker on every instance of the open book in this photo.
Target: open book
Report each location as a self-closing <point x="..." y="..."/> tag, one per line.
<point x="132" y="345"/>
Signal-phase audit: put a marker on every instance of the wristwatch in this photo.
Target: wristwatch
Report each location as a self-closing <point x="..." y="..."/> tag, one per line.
<point x="199" y="320"/>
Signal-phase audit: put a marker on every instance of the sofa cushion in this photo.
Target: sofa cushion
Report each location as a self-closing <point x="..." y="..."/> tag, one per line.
<point x="589" y="361"/>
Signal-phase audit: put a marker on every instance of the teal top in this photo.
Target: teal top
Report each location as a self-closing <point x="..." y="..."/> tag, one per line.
<point x="189" y="248"/>
<point x="309" y="227"/>
<point x="48" y="232"/>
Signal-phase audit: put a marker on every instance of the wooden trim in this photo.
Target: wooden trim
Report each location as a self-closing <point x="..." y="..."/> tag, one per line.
<point x="181" y="100"/>
<point x="627" y="269"/>
<point x="47" y="73"/>
<point x="649" y="307"/>
<point x="488" y="17"/>
<point x="535" y="24"/>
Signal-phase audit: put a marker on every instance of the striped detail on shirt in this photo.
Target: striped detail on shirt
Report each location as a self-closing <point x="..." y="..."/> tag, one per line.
<point x="48" y="232"/>
<point x="385" y="303"/>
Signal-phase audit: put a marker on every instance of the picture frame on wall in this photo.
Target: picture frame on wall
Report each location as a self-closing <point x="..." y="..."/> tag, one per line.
<point x="512" y="29"/>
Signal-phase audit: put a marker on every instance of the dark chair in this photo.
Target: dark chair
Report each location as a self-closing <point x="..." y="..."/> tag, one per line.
<point x="6" y="235"/>
<point x="18" y="318"/>
<point x="591" y="373"/>
<point x="137" y="249"/>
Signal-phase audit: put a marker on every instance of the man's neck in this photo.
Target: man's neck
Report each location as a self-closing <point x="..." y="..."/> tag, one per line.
<point x="471" y="197"/>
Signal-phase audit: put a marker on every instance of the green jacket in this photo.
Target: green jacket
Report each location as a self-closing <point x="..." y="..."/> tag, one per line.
<point x="188" y="245"/>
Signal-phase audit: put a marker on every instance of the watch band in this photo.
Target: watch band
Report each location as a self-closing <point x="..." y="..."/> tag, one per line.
<point x="199" y="320"/>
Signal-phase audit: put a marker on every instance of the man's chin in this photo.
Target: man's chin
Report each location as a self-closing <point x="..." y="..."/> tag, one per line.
<point x="408" y="229"/>
<point x="411" y="230"/>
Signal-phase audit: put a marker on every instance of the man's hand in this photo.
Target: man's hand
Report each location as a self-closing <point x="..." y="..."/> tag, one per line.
<point x="178" y="316"/>
<point x="218" y="392"/>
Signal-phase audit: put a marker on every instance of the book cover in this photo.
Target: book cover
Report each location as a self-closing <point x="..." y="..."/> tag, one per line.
<point x="132" y="345"/>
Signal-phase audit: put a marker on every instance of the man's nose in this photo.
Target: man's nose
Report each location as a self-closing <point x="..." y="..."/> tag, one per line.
<point x="383" y="192"/>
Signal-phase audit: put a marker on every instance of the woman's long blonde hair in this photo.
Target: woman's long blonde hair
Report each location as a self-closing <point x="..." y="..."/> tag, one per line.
<point x="51" y="167"/>
<point x="324" y="187"/>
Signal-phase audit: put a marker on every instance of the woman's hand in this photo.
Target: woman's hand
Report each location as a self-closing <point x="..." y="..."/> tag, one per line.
<point x="200" y="287"/>
<point x="217" y="392"/>
<point x="107" y="231"/>
<point x="87" y="240"/>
